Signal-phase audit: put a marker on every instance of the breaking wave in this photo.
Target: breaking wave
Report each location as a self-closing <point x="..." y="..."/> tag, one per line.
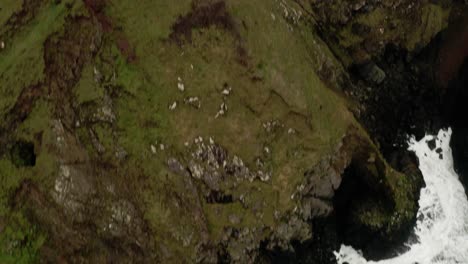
<point x="442" y="220"/>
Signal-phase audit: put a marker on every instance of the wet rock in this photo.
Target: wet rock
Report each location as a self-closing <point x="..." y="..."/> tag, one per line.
<point x="372" y="73"/>
<point x="431" y="144"/>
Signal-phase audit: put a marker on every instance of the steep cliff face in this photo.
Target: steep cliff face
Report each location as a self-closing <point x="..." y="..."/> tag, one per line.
<point x="202" y="131"/>
<point x="362" y="29"/>
<point x="452" y="73"/>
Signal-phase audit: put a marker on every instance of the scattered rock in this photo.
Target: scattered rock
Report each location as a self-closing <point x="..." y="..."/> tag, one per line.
<point x="234" y="219"/>
<point x="173" y="106"/>
<point x="222" y="110"/>
<point x="153" y="149"/>
<point x="180" y="85"/>
<point x="195" y="102"/>
<point x="372" y="73"/>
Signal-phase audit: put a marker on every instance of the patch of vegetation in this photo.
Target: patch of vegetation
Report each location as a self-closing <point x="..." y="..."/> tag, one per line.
<point x="14" y="166"/>
<point x="10" y="178"/>
<point x="7" y="9"/>
<point x="88" y="89"/>
<point x="20" y="240"/>
<point x="21" y="62"/>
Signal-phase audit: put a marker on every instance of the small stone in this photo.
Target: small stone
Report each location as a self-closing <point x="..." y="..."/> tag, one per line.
<point x="223" y="109"/>
<point x="193" y="101"/>
<point x="234" y="219"/>
<point x="97" y="75"/>
<point x="259" y="163"/>
<point x="264" y="177"/>
<point x="196" y="170"/>
<point x="372" y="73"/>
<point x="173" y="106"/>
<point x="226" y="91"/>
<point x="120" y="153"/>
<point x="358" y="5"/>
<point x="277" y="214"/>
<point x="237" y="161"/>
<point x="2" y="45"/>
<point x="153" y="149"/>
<point x="181" y="87"/>
<point x="162" y="147"/>
<point x="371" y="158"/>
<point x="431" y="144"/>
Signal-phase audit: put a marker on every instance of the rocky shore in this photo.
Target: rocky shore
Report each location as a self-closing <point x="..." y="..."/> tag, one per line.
<point x="220" y="131"/>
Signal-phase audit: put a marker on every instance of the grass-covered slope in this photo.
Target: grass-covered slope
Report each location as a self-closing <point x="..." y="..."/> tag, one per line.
<point x="174" y="132"/>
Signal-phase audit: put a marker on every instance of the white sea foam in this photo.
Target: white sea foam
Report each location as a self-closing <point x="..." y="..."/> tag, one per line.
<point x="442" y="225"/>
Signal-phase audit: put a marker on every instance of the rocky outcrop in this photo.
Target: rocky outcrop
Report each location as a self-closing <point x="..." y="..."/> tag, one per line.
<point x="362" y="29"/>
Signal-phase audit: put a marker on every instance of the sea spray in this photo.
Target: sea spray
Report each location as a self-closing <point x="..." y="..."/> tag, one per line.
<point x="442" y="221"/>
